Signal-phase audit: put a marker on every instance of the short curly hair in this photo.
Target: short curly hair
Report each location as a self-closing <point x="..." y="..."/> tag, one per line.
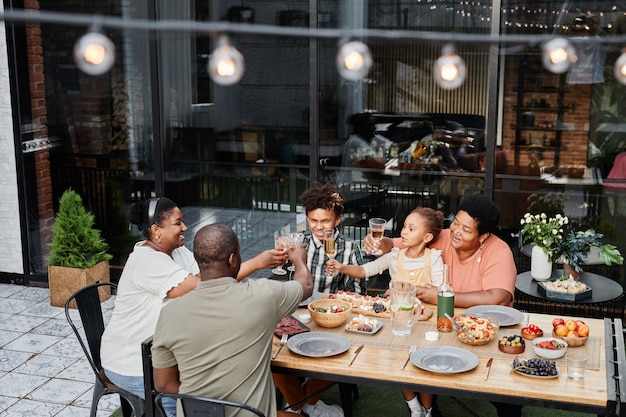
<point x="327" y="197"/>
<point x="483" y="210"/>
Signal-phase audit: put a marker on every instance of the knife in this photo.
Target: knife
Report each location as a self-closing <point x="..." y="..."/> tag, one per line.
<point x="356" y="353"/>
<point x="488" y="368"/>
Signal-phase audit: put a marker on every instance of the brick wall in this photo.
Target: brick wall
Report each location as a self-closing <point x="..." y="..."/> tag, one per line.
<point x="573" y="142"/>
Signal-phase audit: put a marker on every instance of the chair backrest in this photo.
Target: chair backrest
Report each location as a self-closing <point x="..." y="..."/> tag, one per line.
<point x="148" y="378"/>
<point x="194" y="406"/>
<point x="88" y="305"/>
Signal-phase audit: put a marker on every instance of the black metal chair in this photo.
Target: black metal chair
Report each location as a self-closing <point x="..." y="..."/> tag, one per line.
<point x="148" y="377"/>
<point x="88" y="304"/>
<point x="194" y="406"/>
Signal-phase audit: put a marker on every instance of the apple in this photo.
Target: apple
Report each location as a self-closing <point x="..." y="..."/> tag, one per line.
<point x="561" y="330"/>
<point x="557" y="321"/>
<point x="570" y="324"/>
<point x="583" y="330"/>
<point x="579" y="322"/>
<point x="572" y="334"/>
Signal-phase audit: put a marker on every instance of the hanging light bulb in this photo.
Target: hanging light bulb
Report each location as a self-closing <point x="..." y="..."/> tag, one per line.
<point x="558" y="55"/>
<point x="354" y="60"/>
<point x="619" y="70"/>
<point x="449" y="69"/>
<point x="226" y="64"/>
<point x="94" y="53"/>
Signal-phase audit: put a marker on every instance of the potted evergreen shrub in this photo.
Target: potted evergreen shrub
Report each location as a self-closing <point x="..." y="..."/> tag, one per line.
<point x="78" y="253"/>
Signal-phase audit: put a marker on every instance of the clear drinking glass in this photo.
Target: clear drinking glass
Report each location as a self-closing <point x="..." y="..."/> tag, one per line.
<point x="293" y="241"/>
<point x="377" y="229"/>
<point x="280" y="244"/>
<point x="330" y="247"/>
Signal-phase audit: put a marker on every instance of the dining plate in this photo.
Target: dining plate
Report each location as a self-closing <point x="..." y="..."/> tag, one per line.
<point x="376" y="328"/>
<point x="314" y="297"/>
<point x="318" y="344"/>
<point x="507" y="316"/>
<point x="444" y="359"/>
<point x="517" y="371"/>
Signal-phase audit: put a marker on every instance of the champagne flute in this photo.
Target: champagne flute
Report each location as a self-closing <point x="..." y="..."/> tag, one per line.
<point x="377" y="229"/>
<point x="293" y="241"/>
<point x="280" y="244"/>
<point x="330" y="248"/>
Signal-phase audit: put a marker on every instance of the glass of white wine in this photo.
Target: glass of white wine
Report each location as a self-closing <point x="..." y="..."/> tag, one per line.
<point x="330" y="248"/>
<point x="377" y="229"/>
<point x="280" y="244"/>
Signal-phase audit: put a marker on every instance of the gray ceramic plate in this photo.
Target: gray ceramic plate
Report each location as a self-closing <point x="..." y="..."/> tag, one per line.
<point x="444" y="359"/>
<point x="318" y="344"/>
<point x="314" y="297"/>
<point x="507" y="316"/>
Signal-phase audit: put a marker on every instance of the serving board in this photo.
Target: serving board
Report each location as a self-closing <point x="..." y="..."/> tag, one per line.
<point x="563" y="296"/>
<point x="426" y="314"/>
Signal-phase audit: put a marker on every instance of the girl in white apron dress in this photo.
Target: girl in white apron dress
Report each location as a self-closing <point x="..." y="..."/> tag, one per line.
<point x="416" y="264"/>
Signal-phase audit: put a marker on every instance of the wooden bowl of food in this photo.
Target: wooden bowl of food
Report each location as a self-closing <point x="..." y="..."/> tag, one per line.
<point x="330" y="312"/>
<point x="572" y="341"/>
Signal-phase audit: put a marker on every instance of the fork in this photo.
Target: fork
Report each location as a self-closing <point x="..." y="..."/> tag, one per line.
<point x="412" y="349"/>
<point x="283" y="341"/>
<point x="460" y="328"/>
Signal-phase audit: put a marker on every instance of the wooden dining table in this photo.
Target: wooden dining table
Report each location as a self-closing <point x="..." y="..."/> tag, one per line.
<point x="379" y="363"/>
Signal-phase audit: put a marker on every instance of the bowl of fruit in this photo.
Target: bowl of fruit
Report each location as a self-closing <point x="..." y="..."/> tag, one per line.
<point x="514" y="344"/>
<point x="549" y="347"/>
<point x="330" y="312"/>
<point x="532" y="331"/>
<point x="574" y="332"/>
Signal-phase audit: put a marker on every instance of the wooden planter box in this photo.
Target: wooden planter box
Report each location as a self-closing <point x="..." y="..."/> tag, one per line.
<point x="63" y="282"/>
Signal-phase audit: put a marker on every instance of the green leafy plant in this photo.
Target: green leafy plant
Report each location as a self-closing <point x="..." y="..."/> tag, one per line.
<point x="575" y="247"/>
<point x="76" y="243"/>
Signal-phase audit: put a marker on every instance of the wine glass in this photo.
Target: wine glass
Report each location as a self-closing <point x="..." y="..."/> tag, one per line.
<point x="280" y="244"/>
<point x="377" y="229"/>
<point x="293" y="241"/>
<point x="330" y="248"/>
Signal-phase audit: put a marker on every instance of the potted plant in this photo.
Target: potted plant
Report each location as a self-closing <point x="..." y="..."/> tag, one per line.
<point x="546" y="233"/>
<point x="575" y="248"/>
<point x="78" y="254"/>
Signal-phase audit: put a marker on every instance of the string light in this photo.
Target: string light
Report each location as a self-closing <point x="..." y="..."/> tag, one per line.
<point x="226" y="64"/>
<point x="354" y="60"/>
<point x="449" y="69"/>
<point x="94" y="53"/>
<point x="619" y="70"/>
<point x="558" y="55"/>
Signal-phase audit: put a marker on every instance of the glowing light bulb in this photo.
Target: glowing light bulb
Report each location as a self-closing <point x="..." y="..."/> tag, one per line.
<point x="94" y="53"/>
<point x="619" y="70"/>
<point x="354" y="60"/>
<point x="226" y="64"/>
<point x="449" y="71"/>
<point x="558" y="55"/>
<point x="226" y="68"/>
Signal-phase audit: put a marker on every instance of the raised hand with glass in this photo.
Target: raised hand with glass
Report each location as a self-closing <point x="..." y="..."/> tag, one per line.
<point x="280" y="244"/>
<point x="377" y="230"/>
<point x="293" y="241"/>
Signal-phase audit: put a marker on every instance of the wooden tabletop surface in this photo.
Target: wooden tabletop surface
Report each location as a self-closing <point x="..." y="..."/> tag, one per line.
<point x="381" y="359"/>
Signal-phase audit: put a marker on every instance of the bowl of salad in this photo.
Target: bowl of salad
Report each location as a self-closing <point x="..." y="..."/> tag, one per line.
<point x="330" y="312"/>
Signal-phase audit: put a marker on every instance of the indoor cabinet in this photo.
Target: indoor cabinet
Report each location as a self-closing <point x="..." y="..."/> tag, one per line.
<point x="540" y="111"/>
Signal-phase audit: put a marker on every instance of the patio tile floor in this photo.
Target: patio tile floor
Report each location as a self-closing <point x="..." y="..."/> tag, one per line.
<point x="43" y="370"/>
